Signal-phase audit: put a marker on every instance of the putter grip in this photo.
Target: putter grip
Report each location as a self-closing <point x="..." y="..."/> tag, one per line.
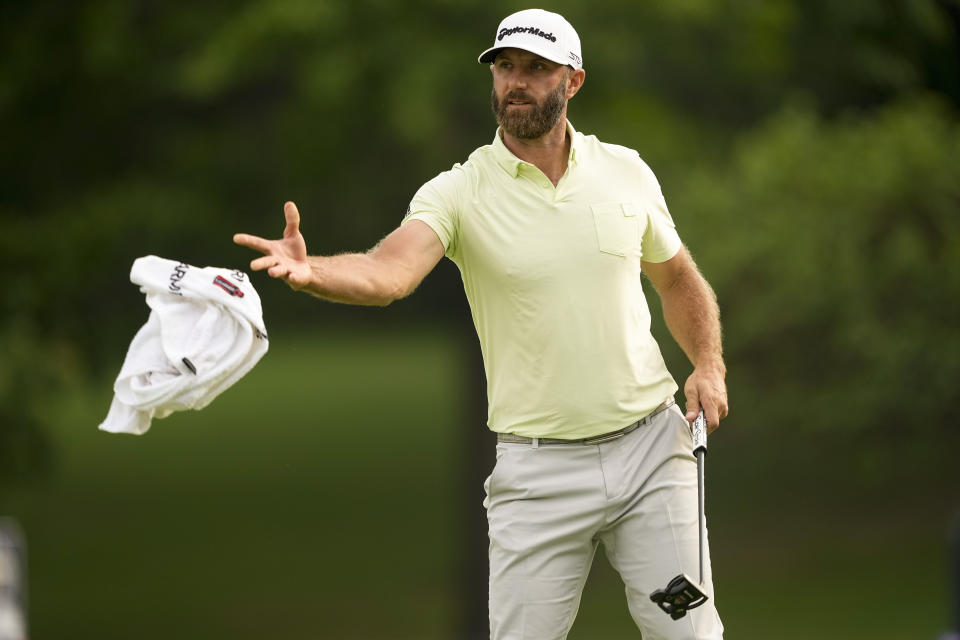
<point x="699" y="429"/>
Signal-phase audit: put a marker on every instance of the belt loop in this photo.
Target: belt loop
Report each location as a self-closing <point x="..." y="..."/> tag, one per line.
<point x="535" y="444"/>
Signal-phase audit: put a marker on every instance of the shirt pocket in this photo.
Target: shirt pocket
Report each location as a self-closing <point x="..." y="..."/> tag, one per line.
<point x="618" y="227"/>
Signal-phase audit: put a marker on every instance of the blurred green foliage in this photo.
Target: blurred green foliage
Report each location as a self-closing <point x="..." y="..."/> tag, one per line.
<point x="834" y="246"/>
<point x="809" y="152"/>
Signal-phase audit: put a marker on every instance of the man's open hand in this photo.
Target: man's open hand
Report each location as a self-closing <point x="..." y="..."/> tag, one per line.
<point x="285" y="258"/>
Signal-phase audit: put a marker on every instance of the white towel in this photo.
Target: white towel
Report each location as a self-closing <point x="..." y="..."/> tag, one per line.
<point x="205" y="332"/>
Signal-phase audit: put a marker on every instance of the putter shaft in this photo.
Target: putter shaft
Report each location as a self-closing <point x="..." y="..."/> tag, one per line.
<point x="700" y="518"/>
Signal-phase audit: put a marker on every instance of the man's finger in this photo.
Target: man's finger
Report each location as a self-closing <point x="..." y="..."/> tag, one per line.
<point x="297" y="280"/>
<point x="293" y="219"/>
<point x="712" y="413"/>
<point x="263" y="263"/>
<point x="278" y="271"/>
<point x="252" y="242"/>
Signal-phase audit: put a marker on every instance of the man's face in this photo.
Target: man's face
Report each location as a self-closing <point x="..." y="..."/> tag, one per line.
<point x="529" y="93"/>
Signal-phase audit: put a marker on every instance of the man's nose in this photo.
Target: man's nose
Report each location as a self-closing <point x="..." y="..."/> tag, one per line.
<point x="517" y="79"/>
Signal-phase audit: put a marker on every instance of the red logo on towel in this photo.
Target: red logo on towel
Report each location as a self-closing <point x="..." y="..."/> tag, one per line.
<point x="228" y="286"/>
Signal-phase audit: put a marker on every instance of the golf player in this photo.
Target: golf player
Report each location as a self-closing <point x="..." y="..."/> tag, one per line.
<point x="551" y="230"/>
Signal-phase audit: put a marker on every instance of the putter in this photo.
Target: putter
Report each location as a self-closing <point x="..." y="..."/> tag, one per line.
<point x="682" y="593"/>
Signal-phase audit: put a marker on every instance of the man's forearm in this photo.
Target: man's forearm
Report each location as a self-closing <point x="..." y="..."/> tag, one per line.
<point x="352" y="278"/>
<point x="389" y="271"/>
<point x="693" y="317"/>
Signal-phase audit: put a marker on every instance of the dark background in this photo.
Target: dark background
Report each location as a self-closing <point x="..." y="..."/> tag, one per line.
<point x="809" y="152"/>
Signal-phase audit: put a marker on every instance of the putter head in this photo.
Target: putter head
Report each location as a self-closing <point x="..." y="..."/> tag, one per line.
<point x="681" y="594"/>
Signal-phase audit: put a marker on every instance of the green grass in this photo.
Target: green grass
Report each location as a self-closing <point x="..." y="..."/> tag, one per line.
<point x="316" y="499"/>
<point x="307" y="501"/>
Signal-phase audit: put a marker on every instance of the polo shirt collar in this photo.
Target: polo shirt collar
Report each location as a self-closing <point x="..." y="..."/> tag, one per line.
<point x="511" y="163"/>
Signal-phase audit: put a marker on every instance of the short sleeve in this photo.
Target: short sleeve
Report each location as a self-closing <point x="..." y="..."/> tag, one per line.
<point x="437" y="204"/>
<point x="660" y="238"/>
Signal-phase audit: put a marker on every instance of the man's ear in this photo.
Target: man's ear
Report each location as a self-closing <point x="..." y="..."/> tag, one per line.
<point x="575" y="81"/>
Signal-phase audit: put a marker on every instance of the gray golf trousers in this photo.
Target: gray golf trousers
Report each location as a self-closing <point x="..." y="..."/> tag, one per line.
<point x="549" y="505"/>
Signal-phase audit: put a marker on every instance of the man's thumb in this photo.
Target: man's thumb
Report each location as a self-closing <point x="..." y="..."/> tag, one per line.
<point x="693" y="405"/>
<point x="292" y="217"/>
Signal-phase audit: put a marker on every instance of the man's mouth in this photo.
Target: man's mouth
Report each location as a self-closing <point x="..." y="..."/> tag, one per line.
<point x="518" y="101"/>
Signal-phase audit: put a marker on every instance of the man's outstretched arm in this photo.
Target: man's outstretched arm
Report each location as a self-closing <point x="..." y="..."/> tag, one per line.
<point x="388" y="272"/>
<point x="693" y="317"/>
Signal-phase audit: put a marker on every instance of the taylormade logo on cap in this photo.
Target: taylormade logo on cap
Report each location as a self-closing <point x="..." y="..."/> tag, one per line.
<point x="533" y="30"/>
<point x="546" y="34"/>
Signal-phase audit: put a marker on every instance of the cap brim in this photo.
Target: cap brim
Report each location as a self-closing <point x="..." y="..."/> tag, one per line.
<point x="488" y="56"/>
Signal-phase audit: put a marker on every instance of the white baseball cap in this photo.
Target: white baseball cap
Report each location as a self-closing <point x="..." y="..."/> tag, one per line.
<point x="541" y="32"/>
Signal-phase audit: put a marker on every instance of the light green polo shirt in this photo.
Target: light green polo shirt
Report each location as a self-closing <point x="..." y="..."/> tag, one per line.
<point x="552" y="275"/>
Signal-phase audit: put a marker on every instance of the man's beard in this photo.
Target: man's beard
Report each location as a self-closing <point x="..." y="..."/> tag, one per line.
<point x="533" y="122"/>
